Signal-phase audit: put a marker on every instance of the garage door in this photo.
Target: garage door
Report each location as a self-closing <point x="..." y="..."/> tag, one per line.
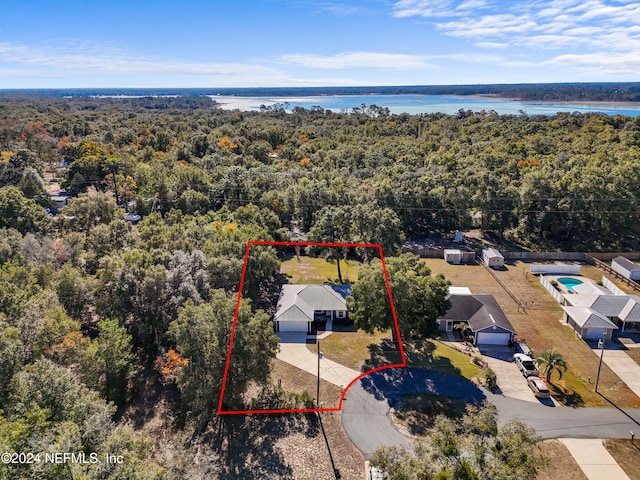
<point x="293" y="326"/>
<point x="595" y="334"/>
<point x="493" y="338"/>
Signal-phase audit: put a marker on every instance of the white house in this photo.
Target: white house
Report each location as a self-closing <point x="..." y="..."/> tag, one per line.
<point x="621" y="311"/>
<point x="492" y="258"/>
<point x="588" y="323"/>
<point x="487" y="321"/>
<point x="626" y="268"/>
<point x="308" y="308"/>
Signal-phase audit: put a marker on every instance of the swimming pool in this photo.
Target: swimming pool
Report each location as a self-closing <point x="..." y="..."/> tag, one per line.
<point x="569" y="282"/>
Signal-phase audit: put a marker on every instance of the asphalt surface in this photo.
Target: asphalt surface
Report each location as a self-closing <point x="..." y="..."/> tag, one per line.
<point x="366" y="407"/>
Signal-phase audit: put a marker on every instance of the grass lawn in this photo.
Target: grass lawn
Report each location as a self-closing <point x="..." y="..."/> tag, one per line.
<point x="434" y="355"/>
<point x="626" y="454"/>
<point x="561" y="464"/>
<point x="352" y="348"/>
<point x="542" y="330"/>
<point x="318" y="270"/>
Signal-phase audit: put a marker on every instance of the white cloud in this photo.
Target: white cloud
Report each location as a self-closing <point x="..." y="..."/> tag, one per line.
<point x="357" y="60"/>
<point x="598" y="25"/>
<point x="108" y="61"/>
<point x="423" y="8"/>
<point x="621" y="64"/>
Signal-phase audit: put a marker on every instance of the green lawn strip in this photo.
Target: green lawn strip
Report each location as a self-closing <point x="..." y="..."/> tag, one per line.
<point x="350" y="348"/>
<point x="318" y="270"/>
<point x="626" y="454"/>
<point x="434" y="355"/>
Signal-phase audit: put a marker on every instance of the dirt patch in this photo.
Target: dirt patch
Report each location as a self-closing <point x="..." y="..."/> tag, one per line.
<point x="295" y="380"/>
<point x="561" y="463"/>
<point x="626" y="454"/>
<point x="316" y="457"/>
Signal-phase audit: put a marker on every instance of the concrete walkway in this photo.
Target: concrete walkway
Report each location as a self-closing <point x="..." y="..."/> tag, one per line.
<point x="594" y="460"/>
<point x="294" y="351"/>
<point x="623" y="366"/>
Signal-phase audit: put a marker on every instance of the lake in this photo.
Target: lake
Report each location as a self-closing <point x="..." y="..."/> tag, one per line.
<point x="415" y="104"/>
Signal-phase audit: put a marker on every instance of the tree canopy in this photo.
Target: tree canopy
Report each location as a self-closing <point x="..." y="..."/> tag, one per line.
<point x="418" y="297"/>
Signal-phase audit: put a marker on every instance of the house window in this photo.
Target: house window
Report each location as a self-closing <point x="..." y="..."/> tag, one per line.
<point x="340" y="314"/>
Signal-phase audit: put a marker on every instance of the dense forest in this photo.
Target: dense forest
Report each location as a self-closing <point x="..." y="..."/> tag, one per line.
<point x="105" y="324"/>
<point x="549" y="92"/>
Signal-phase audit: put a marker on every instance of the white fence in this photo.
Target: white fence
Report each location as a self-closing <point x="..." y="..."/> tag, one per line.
<point x="612" y="287"/>
<point x="551" y="289"/>
<point x="556" y="269"/>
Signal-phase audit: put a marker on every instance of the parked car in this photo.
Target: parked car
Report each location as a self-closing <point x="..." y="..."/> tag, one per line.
<point x="525" y="365"/>
<point x="538" y="387"/>
<point x="524" y="348"/>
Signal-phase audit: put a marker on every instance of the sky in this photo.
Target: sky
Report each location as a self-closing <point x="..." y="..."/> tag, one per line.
<point x="289" y="43"/>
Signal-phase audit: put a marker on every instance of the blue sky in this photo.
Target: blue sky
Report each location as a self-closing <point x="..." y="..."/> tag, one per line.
<point x="244" y="43"/>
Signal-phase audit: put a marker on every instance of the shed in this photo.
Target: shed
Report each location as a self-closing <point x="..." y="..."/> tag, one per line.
<point x="453" y="256"/>
<point x="626" y="268"/>
<point x="492" y="258"/>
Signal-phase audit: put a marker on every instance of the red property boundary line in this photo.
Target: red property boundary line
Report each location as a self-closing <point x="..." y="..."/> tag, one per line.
<point x="344" y="392"/>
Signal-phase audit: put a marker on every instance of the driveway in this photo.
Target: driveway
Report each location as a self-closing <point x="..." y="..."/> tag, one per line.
<point x="622" y="365"/>
<point x="510" y="380"/>
<point x="293" y="350"/>
<point x="594" y="459"/>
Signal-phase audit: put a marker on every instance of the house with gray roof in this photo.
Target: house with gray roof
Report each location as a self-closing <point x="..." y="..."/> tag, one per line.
<point x="309" y="308"/>
<point x="621" y="312"/>
<point x="488" y="323"/>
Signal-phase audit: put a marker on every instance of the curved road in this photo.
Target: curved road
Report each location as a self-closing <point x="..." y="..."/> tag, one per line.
<point x="365" y="409"/>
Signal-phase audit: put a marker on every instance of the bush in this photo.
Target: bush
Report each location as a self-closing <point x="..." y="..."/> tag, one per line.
<point x="490" y="378"/>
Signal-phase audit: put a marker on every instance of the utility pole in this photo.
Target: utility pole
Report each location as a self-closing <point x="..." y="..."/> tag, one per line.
<point x="601" y="346"/>
<point x="318" y="388"/>
<point x="115" y="185"/>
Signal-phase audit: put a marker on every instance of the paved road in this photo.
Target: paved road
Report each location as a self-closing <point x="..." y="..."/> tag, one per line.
<point x="364" y="412"/>
<point x="365" y="408"/>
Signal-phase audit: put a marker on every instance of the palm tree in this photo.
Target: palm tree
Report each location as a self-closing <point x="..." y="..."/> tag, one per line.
<point x="551" y="360"/>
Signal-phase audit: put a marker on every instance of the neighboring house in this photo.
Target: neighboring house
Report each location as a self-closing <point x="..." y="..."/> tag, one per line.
<point x="626" y="268"/>
<point x="619" y="311"/>
<point x="308" y="308"/>
<point x="487" y="321"/>
<point x="492" y="258"/>
<point x="588" y="323"/>
<point x="61" y="199"/>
